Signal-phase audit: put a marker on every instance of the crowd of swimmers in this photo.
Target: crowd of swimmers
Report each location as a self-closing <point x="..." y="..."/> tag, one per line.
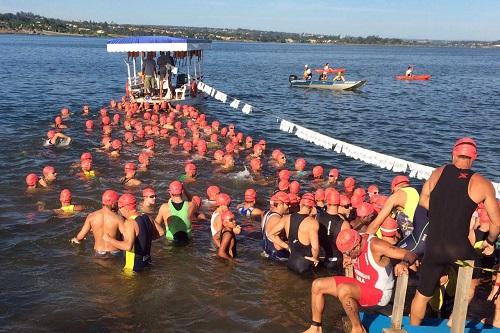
<point x="309" y="222"/>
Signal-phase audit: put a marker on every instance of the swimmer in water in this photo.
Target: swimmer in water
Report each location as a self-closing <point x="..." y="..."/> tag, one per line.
<point x="317" y="174"/>
<point x="218" y="157"/>
<point x="89" y="125"/>
<point x="247" y="208"/>
<point x="258" y="150"/>
<point x="54" y="138"/>
<point x="275" y="246"/>
<point x="129" y="178"/>
<point x="58" y="123"/>
<point x="150" y="147"/>
<point x="349" y="185"/>
<point x="104" y="220"/>
<point x="333" y="176"/>
<point x="49" y="176"/>
<point x="227" y="248"/>
<point x="143" y="159"/>
<point x="190" y="175"/>
<point x="86" y="168"/>
<point x="148" y="205"/>
<point x="116" y="145"/>
<point x="85" y="110"/>
<point x="65" y="113"/>
<point x="67" y="207"/>
<point x="32" y="182"/>
<point x="373" y="192"/>
<point x="212" y="193"/>
<point x="106" y="142"/>
<point x="138" y="232"/>
<point x="222" y="201"/>
<point x="227" y="164"/>
<point x="300" y="165"/>
<point x="175" y="214"/>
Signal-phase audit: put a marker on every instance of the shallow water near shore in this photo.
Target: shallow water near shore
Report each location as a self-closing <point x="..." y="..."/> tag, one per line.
<point x="50" y="285"/>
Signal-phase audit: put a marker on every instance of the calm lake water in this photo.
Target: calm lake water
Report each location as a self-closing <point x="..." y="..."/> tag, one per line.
<point x="50" y="285"/>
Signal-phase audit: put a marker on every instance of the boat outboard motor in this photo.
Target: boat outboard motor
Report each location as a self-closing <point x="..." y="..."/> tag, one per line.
<point x="292" y="77"/>
<point x="181" y="80"/>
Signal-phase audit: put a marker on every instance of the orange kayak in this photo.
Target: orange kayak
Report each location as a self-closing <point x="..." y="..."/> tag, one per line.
<point x="330" y="70"/>
<point x="414" y="77"/>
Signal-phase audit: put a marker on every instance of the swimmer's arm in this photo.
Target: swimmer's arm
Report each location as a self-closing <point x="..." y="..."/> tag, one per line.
<point x="386" y="210"/>
<point x="394" y="252"/>
<point x="225" y="243"/>
<point x="128" y="238"/>
<point x="159" y="220"/>
<point x="84" y="231"/>
<point x="257" y="212"/>
<point x="313" y="236"/>
<point x="428" y="186"/>
<point x="273" y="234"/>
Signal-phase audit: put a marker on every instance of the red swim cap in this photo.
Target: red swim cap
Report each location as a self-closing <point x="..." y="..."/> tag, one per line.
<point x="116" y="144"/>
<point x="319" y="195"/>
<point x="398" y="180"/>
<point x="150" y="143"/>
<point x="344" y="200"/>
<point x="187" y="146"/>
<point x="280" y="197"/>
<point x="105" y="120"/>
<point x="283" y="185"/>
<point x="175" y="188"/>
<point x="359" y="192"/>
<point x="128" y="136"/>
<point x="347" y="240"/>
<point x="116" y="118"/>
<point x="294" y="199"/>
<point x="318" y="171"/>
<point x="332" y="196"/>
<point x="465" y="147"/>
<point x="51" y="133"/>
<point x="65" y="196"/>
<point x="218" y="154"/>
<point x="177" y="107"/>
<point x="31" y="179"/>
<point x="223" y="199"/>
<point x="174" y="141"/>
<point x="109" y="198"/>
<point x="364" y="209"/>
<point x="250" y="194"/>
<point x="284" y="175"/>
<point x="229" y="148"/>
<point x="356" y="201"/>
<point x="130" y="166"/>
<point x="47" y="170"/>
<point x="196" y="200"/>
<point x="227" y="215"/>
<point x="294" y="187"/>
<point x="307" y="200"/>
<point x="212" y="192"/>
<point x="89" y="124"/>
<point x="127" y="200"/>
<point x="300" y="164"/>
<point x="255" y="164"/>
<point x="213" y="138"/>
<point x="389" y="227"/>
<point x="373" y="189"/>
<point x="58" y="120"/>
<point x="190" y="167"/>
<point x="148" y="191"/>
<point x="349" y="183"/>
<point x="334" y="172"/>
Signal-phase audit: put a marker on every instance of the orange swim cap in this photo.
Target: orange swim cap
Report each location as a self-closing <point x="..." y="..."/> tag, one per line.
<point x="307" y="200"/>
<point x="398" y="180"/>
<point x="389" y="227"/>
<point x="347" y="240"/>
<point x="294" y="187"/>
<point x="319" y="195"/>
<point x="109" y="198"/>
<point x="212" y="192"/>
<point x="175" y="188"/>
<point x="318" y="171"/>
<point x="223" y="199"/>
<point x="300" y="164"/>
<point x="148" y="191"/>
<point x="280" y="196"/>
<point x="465" y="147"/>
<point x="31" y="179"/>
<point x="250" y="194"/>
<point x="127" y="200"/>
<point x="47" y="170"/>
<point x="332" y="196"/>
<point x="116" y="144"/>
<point x="283" y="185"/>
<point x="364" y="209"/>
<point x="226" y="216"/>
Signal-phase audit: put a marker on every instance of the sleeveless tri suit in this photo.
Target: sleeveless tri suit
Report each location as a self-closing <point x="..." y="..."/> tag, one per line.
<point x="139" y="257"/>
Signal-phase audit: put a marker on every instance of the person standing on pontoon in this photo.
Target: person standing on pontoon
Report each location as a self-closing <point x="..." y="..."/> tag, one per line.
<point x="149" y="71"/>
<point x="162" y="69"/>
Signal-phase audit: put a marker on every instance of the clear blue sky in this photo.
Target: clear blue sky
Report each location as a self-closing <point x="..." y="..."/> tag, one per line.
<point x="432" y="19"/>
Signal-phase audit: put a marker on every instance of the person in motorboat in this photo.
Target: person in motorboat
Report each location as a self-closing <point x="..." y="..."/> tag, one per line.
<point x="307" y="73"/>
<point x="339" y="76"/>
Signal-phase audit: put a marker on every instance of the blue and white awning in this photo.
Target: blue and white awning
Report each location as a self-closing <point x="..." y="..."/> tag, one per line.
<point x="156" y="43"/>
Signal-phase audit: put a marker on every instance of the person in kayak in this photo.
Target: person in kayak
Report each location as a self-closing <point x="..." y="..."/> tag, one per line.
<point x="409" y="71"/>
<point x="307" y="73"/>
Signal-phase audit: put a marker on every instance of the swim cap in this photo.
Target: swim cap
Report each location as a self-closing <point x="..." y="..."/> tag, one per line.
<point x="248" y="139"/>
<point x="257" y="148"/>
<point x="356" y="201"/>
<point x="116" y="144"/>
<point x="465" y="147"/>
<point x="148" y="191"/>
<point x="223" y="131"/>
<point x="389" y="227"/>
<point x="229" y="148"/>
<point x="344" y="200"/>
<point x="227" y="215"/>
<point x="130" y="166"/>
<point x="332" y="196"/>
<point x="318" y="171"/>
<point x="360" y="192"/>
<point x="154" y="118"/>
<point x="150" y="143"/>
<point x="128" y="136"/>
<point x="280" y="196"/>
<point x="212" y="191"/>
<point x="398" y="180"/>
<point x="31" y="179"/>
<point x="284" y="175"/>
<point x="218" y="154"/>
<point x="373" y="189"/>
<point x="178" y="125"/>
<point x="140" y="133"/>
<point x="175" y="188"/>
<point x="103" y="112"/>
<point x="127" y="200"/>
<point x="294" y="187"/>
<point x="347" y="240"/>
<point x="89" y="124"/>
<point x="262" y="142"/>
<point x="58" y="120"/>
<point x="300" y="164"/>
<point x="364" y="209"/>
<point x="250" y="194"/>
<point x="378" y="202"/>
<point x="51" y="133"/>
<point x="215" y="123"/>
<point x="190" y="167"/>
<point x="275" y="154"/>
<point x="349" y="183"/>
<point x="307" y="200"/>
<point x="187" y="146"/>
<point x="177" y="107"/>
<point x="196" y="200"/>
<point x="65" y="196"/>
<point x="283" y="185"/>
<point x="319" y="195"/>
<point x="174" y="141"/>
<point x="213" y="138"/>
<point x="255" y="164"/>
<point x="48" y="170"/>
<point x="105" y="120"/>
<point x="294" y="199"/>
<point x="223" y="199"/>
<point x="334" y="172"/>
<point x="109" y="198"/>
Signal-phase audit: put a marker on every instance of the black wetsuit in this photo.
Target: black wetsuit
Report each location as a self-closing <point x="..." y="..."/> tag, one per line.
<point x="329" y="228"/>
<point x="415" y="242"/>
<point x="142" y="245"/>
<point x="450" y="211"/>
<point x="296" y="261"/>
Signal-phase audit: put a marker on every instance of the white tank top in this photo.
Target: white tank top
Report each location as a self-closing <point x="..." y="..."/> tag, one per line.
<point x="212" y="223"/>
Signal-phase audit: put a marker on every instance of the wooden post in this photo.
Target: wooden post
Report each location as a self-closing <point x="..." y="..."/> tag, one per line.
<point x="398" y="306"/>
<point x="461" y="298"/>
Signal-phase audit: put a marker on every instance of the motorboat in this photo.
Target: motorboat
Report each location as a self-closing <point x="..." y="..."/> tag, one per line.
<point x="326" y="85"/>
